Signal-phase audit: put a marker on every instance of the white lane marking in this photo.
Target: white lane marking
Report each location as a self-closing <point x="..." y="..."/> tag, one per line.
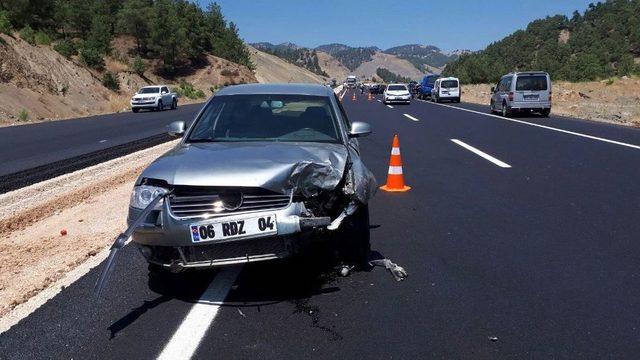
<point x="410" y="117"/>
<point x="390" y="107"/>
<point x="185" y="340"/>
<point x="379" y="100"/>
<point x="546" y="127"/>
<point x="502" y="164"/>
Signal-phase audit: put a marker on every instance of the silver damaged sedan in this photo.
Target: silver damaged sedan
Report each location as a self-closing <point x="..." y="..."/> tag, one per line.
<point x="263" y="170"/>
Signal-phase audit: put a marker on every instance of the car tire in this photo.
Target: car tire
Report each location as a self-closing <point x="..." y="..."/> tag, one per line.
<point x="356" y="238"/>
<point x="174" y="104"/>
<point x="135" y="110"/>
<point x="160" y="106"/>
<point x="504" y="110"/>
<point x="545" y="112"/>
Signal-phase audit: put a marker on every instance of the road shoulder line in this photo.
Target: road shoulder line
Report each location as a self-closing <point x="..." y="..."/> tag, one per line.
<point x="637" y="147"/>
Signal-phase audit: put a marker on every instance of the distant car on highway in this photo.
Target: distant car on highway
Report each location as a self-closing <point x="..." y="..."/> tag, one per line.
<point x="263" y="170"/>
<point x="351" y="82"/>
<point x="396" y="93"/>
<point x="426" y="85"/>
<point x="522" y="92"/>
<point x="446" y="89"/>
<point x="157" y="97"/>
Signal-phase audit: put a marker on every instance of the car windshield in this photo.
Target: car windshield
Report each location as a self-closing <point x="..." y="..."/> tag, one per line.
<point x="149" y="90"/>
<point x="531" y="83"/>
<point x="432" y="80"/>
<point x="397" y="88"/>
<point x="449" y="84"/>
<point x="297" y="118"/>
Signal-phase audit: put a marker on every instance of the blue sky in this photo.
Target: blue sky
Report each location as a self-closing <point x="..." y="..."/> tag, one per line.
<point x="449" y="24"/>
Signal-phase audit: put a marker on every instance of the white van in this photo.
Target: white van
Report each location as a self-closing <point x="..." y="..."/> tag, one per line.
<point x="446" y="89"/>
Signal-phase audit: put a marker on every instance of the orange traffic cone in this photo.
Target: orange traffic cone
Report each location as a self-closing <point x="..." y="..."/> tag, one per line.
<point x="353" y="98"/>
<point x="395" y="179"/>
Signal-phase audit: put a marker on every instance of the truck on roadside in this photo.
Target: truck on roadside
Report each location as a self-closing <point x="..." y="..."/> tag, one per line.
<point x="352" y="82"/>
<point x="426" y="85"/>
<point x="155" y="98"/>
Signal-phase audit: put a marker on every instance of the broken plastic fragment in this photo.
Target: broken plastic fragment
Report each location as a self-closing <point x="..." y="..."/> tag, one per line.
<point x="345" y="270"/>
<point x="349" y="210"/>
<point x="398" y="272"/>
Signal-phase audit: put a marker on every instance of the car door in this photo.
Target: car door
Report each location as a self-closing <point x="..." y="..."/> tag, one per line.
<point x="166" y="96"/>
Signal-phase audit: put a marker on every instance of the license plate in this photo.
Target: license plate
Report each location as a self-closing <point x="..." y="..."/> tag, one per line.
<point x="232" y="228"/>
<point x="531" y="97"/>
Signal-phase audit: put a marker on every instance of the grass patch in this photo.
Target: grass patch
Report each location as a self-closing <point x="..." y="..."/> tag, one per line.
<point x="23" y="115"/>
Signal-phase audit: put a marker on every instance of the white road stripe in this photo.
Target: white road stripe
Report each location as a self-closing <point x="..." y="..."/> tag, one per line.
<point x="637" y="147"/>
<point x="410" y="117"/>
<point x="390" y="107"/>
<point x="482" y="154"/>
<point x="193" y="328"/>
<point x="379" y="100"/>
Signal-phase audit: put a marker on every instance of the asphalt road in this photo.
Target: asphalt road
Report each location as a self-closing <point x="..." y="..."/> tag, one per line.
<point x="29" y="146"/>
<point x="514" y="231"/>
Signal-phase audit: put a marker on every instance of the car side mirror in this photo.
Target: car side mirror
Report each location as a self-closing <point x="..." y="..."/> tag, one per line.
<point x="359" y="129"/>
<point x="176" y="128"/>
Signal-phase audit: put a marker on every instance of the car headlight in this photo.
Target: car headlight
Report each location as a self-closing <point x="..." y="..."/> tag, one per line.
<point x="143" y="195"/>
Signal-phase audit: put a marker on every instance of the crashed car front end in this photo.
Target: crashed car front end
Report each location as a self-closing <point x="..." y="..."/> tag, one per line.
<point x="264" y="201"/>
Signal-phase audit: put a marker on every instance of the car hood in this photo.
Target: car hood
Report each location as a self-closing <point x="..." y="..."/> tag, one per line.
<point x="306" y="168"/>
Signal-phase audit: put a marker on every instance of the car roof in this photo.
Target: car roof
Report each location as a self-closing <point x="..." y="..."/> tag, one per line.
<point x="448" y="78"/>
<point x="529" y="73"/>
<point x="152" y="86"/>
<point x="281" y="89"/>
<point x="397" y="84"/>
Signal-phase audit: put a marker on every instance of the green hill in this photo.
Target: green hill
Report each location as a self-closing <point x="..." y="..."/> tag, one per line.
<point x="602" y="42"/>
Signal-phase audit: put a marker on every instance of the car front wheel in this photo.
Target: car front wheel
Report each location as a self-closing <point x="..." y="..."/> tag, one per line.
<point x="135" y="110"/>
<point x="174" y="104"/>
<point x="545" y="112"/>
<point x="160" y="106"/>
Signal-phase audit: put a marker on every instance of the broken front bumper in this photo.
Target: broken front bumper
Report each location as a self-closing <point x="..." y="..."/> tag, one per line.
<point x="165" y="240"/>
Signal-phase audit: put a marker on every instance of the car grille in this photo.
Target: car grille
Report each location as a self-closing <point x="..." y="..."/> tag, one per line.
<point x="199" y="203"/>
<point x="235" y="249"/>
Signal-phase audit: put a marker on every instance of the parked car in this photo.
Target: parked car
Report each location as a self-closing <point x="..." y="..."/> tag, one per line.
<point x="413" y="88"/>
<point x="426" y="85"/>
<point x="396" y="93"/>
<point x="376" y="89"/>
<point x="522" y="92"/>
<point x="263" y="170"/>
<point x="157" y="97"/>
<point x="446" y="89"/>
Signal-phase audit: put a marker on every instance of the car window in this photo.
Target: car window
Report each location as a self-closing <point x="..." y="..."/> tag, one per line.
<point x="503" y="84"/>
<point x="299" y="118"/>
<point x="531" y="83"/>
<point x="447" y="84"/>
<point x="149" y="90"/>
<point x="164" y="88"/>
<point x="397" y="87"/>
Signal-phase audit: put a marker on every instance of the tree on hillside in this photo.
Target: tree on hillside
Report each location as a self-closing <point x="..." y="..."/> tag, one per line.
<point x="132" y="20"/>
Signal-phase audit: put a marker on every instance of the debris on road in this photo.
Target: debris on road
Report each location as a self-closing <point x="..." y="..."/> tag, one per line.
<point x="493" y="338"/>
<point x="345" y="270"/>
<point x="241" y="313"/>
<point x="398" y="272"/>
<point x="63" y="232"/>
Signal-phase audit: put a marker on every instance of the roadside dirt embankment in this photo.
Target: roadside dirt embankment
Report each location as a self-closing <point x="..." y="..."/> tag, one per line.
<point x="614" y="100"/>
<point x="50" y="228"/>
<point x="38" y="84"/>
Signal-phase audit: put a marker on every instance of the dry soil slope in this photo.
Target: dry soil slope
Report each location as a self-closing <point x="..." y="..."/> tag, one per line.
<point x="272" y="69"/>
<point x="332" y="66"/>
<point x="49" y="86"/>
<point x="389" y="62"/>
